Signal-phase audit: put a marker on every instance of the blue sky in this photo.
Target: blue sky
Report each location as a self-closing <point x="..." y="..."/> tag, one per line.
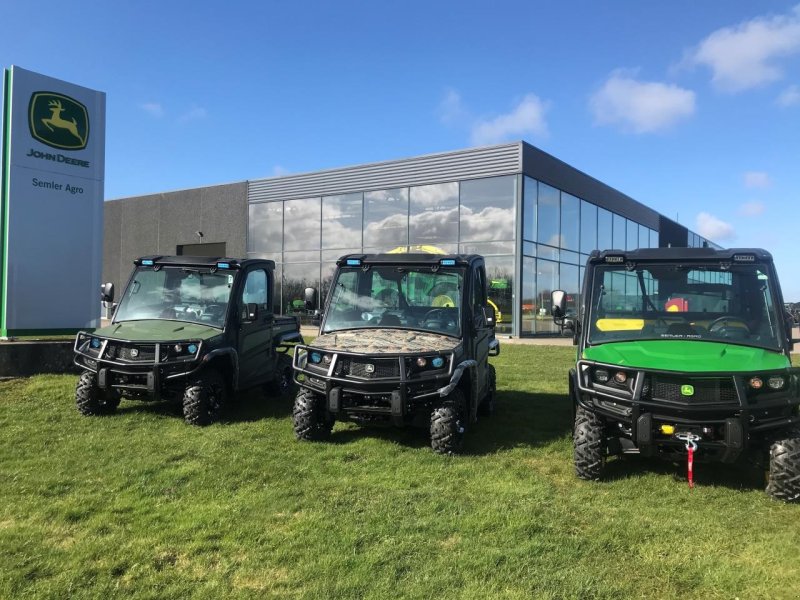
<point x="690" y="107"/>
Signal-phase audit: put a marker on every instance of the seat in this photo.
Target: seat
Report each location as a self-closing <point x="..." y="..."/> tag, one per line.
<point x="390" y="320"/>
<point x="680" y="329"/>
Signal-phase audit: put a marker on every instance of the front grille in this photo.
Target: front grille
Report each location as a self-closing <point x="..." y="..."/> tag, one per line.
<point x="719" y="390"/>
<point x="365" y="368"/>
<point x="126" y="352"/>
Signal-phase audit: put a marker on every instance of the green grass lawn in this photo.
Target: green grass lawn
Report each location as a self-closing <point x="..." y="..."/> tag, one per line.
<point x="140" y="505"/>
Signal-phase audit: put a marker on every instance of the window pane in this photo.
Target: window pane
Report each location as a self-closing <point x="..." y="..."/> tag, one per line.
<point x="488" y="209"/>
<point x="569" y="282"/>
<point x="529" y="209"/>
<point x="265" y="227"/>
<point x="548" y="214"/>
<point x="570" y="221"/>
<point x="653" y="238"/>
<point x="633" y="235"/>
<point x="386" y="219"/>
<point x="334" y="255"/>
<point x="644" y="237"/>
<point x="620" y="239"/>
<point x="255" y="288"/>
<point x="546" y="282"/>
<point x="433" y="214"/>
<point x="301" y="224"/>
<point x="296" y="278"/>
<point x="604" y="227"/>
<point x="529" y="306"/>
<point x="341" y="221"/>
<point x="500" y="273"/>
<point x="488" y="248"/>
<point x="588" y="227"/>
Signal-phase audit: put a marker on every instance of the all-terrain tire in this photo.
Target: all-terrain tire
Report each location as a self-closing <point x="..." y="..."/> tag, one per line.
<point x="784" y="468"/>
<point x="203" y="398"/>
<point x="488" y="405"/>
<point x="283" y="383"/>
<point x="310" y="419"/>
<point x="91" y="400"/>
<point x="447" y="428"/>
<point x="589" y="444"/>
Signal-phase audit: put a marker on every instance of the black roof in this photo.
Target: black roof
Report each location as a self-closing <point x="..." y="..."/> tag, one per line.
<point x="209" y="262"/>
<point x="682" y="254"/>
<point x="414" y="259"/>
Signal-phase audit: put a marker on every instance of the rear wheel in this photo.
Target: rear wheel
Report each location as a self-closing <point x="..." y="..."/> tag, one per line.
<point x="91" y="400"/>
<point x="784" y="468"/>
<point x="283" y="383"/>
<point x="309" y="417"/>
<point x="447" y="429"/>
<point x="487" y="406"/>
<point x="589" y="445"/>
<point x="203" y="398"/>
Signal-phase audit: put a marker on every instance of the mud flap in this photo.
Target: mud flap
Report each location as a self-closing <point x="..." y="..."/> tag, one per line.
<point x="398" y="408"/>
<point x="334" y="400"/>
<point x="734" y="440"/>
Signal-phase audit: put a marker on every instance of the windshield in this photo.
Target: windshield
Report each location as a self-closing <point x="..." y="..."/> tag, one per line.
<point x="413" y="298"/>
<point x="689" y="302"/>
<point x="180" y="294"/>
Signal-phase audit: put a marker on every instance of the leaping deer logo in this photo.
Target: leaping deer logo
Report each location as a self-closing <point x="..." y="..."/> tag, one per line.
<point x="56" y="120"/>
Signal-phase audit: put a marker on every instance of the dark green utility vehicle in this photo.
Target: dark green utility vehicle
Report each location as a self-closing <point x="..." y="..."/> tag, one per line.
<point x="192" y="330"/>
<point x="684" y="353"/>
<point x="405" y="339"/>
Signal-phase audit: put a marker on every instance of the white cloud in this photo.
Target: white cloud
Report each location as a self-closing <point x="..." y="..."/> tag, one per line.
<point x="451" y="109"/>
<point x="756" y="179"/>
<point x="789" y="97"/>
<point x="714" y="229"/>
<point x="526" y="118"/>
<point x="747" y="55"/>
<point x="752" y="209"/>
<point x="640" y="106"/>
<point x="153" y="108"/>
<point x="193" y="114"/>
<point x="279" y="171"/>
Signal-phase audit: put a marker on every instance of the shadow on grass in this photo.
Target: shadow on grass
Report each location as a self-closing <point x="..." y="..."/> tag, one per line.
<point x="521" y="420"/>
<point x="740" y="476"/>
<point x="244" y="407"/>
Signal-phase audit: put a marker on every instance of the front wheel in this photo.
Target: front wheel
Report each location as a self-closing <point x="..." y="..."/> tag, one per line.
<point x="447" y="429"/>
<point x="784" y="468"/>
<point x="203" y="398"/>
<point x="309" y="417"/>
<point x="91" y="400"/>
<point x="589" y="445"/>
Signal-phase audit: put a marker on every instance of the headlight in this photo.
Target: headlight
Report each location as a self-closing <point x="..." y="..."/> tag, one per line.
<point x="601" y="375"/>
<point x="179" y="351"/>
<point x="95" y="343"/>
<point x="620" y="377"/>
<point x="756" y="383"/>
<point x="776" y="382"/>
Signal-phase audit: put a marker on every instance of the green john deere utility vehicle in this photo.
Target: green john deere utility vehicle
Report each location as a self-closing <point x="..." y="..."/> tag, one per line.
<point x="684" y="353"/>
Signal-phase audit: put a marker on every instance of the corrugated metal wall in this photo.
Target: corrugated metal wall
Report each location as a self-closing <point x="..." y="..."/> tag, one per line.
<point x="473" y="163"/>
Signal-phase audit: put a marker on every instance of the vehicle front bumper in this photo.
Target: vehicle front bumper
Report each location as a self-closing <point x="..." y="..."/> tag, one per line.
<point x="723" y="411"/>
<point x="136" y="366"/>
<point x="385" y="386"/>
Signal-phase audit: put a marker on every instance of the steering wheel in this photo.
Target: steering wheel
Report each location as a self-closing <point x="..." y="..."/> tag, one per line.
<point x="712" y="327"/>
<point x="436" y="314"/>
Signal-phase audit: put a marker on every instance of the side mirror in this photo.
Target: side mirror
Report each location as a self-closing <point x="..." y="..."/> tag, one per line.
<point x="559" y="300"/>
<point x="310" y="298"/>
<point x="107" y="292"/>
<point x="489" y="316"/>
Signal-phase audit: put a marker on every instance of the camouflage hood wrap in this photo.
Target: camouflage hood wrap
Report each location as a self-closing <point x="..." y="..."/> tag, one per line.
<point x="374" y="341"/>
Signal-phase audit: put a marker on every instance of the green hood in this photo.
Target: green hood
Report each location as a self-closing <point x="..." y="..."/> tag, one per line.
<point x="154" y="330"/>
<point x="687" y="356"/>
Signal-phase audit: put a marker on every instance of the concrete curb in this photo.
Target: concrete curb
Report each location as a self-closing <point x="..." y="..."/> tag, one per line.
<point x="23" y="359"/>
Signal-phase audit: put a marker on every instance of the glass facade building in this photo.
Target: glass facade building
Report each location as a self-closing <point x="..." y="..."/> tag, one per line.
<point x="534" y="219"/>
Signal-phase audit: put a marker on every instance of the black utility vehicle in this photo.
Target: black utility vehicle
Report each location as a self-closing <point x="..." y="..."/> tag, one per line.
<point x="188" y="329"/>
<point x="684" y="353"/>
<point x="405" y="339"/>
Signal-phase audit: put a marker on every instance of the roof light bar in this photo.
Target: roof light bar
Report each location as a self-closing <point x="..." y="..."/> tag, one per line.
<point x="748" y="258"/>
<point x="147" y="262"/>
<point x="615" y="259"/>
<point x="448" y="262"/>
<point x="353" y="262"/>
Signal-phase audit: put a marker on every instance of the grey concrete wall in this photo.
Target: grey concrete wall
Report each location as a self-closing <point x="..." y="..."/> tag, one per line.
<point x="158" y="223"/>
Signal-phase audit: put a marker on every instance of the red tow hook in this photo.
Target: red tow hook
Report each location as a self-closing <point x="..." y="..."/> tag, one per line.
<point x="690" y="439"/>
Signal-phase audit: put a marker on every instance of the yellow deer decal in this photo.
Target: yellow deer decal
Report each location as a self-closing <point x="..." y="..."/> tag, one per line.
<point x="56" y="120"/>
